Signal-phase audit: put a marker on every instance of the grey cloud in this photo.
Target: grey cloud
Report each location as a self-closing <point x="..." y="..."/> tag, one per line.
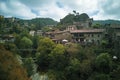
<point x="112" y="8"/>
<point x="59" y="8"/>
<point x="16" y="9"/>
<point x="36" y="3"/>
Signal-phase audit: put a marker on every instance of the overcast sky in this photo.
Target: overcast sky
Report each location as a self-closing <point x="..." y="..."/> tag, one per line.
<point x="57" y="9"/>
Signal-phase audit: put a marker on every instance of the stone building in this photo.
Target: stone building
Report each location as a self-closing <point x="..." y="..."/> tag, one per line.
<point x="116" y="29"/>
<point x="82" y="32"/>
<point x="58" y="36"/>
<point x="71" y="27"/>
<point x="87" y="35"/>
<point x="79" y="32"/>
<point x="84" y="24"/>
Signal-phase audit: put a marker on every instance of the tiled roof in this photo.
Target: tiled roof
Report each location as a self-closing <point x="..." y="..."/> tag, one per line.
<point x="87" y="31"/>
<point x="57" y="32"/>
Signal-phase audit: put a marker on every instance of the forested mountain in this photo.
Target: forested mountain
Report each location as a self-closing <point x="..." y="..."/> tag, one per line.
<point x="40" y="22"/>
<point x="36" y="23"/>
<point x="76" y="17"/>
<point x="27" y="57"/>
<point x="70" y="18"/>
<point x="106" y="22"/>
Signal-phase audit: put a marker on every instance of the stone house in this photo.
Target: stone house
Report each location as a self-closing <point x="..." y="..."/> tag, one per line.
<point x="87" y="35"/>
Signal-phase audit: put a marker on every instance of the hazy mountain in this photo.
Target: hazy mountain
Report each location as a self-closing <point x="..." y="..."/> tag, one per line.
<point x="36" y="23"/>
<point x="102" y="22"/>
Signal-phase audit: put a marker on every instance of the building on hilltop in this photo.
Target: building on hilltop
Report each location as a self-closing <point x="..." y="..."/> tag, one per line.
<point x="82" y="32"/>
<point x="87" y="35"/>
<point x="71" y="28"/>
<point x="79" y="32"/>
<point x="84" y="24"/>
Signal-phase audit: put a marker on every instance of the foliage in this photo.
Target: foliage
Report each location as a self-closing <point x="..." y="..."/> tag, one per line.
<point x="10" y="69"/>
<point x="57" y="55"/>
<point x="97" y="26"/>
<point x="115" y="73"/>
<point x="71" y="18"/>
<point x="69" y="61"/>
<point x="45" y="45"/>
<point x="26" y="43"/>
<point x="103" y="63"/>
<point x="82" y="17"/>
<point x="46" y="29"/>
<point x="103" y="22"/>
<point x="28" y="63"/>
<point x="67" y="19"/>
<point x="15" y="25"/>
<point x="44" y="48"/>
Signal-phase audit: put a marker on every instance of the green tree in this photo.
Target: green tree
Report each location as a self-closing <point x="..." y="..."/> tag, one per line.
<point x="115" y="73"/>
<point x="11" y="47"/>
<point x="45" y="47"/>
<point x="97" y="26"/>
<point x="10" y="69"/>
<point x="25" y="43"/>
<point x="25" y="46"/>
<point x="57" y="58"/>
<point x="73" y="70"/>
<point x="28" y="63"/>
<point x="46" y="29"/>
<point x="103" y="63"/>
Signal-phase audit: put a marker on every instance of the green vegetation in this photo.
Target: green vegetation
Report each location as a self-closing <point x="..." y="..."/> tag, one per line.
<point x="16" y="25"/>
<point x="40" y="56"/>
<point x="103" y="22"/>
<point x="76" y="17"/>
<point x="10" y="68"/>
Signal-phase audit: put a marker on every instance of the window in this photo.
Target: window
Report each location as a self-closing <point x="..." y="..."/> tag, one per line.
<point x="92" y="35"/>
<point x="88" y="35"/>
<point x="98" y="35"/>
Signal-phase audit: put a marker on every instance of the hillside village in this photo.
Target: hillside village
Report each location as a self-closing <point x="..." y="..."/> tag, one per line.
<point x="78" y="32"/>
<point x="76" y="48"/>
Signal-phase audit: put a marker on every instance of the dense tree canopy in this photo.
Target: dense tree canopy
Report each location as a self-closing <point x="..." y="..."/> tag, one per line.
<point x="42" y="57"/>
<point x="10" y="68"/>
<point x="103" y="63"/>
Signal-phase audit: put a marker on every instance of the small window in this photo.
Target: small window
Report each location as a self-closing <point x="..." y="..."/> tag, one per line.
<point x="88" y="35"/>
<point x="92" y="35"/>
<point x="98" y="35"/>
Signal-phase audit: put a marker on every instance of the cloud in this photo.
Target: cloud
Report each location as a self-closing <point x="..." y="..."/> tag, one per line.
<point x="16" y="9"/>
<point x="57" y="9"/>
<point x="52" y="12"/>
<point x="111" y="8"/>
<point x="81" y="5"/>
<point x="46" y="8"/>
<point x="36" y="3"/>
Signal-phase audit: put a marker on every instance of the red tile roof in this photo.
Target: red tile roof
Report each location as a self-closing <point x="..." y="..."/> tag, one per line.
<point x="87" y="31"/>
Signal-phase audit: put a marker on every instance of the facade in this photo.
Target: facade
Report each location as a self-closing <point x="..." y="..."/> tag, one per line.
<point x="71" y="28"/>
<point x="87" y="36"/>
<point x="32" y="33"/>
<point x="77" y="36"/>
<point x="82" y="32"/>
<point x="116" y="28"/>
<point x="84" y="24"/>
<point x="39" y="33"/>
<point x="58" y="36"/>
